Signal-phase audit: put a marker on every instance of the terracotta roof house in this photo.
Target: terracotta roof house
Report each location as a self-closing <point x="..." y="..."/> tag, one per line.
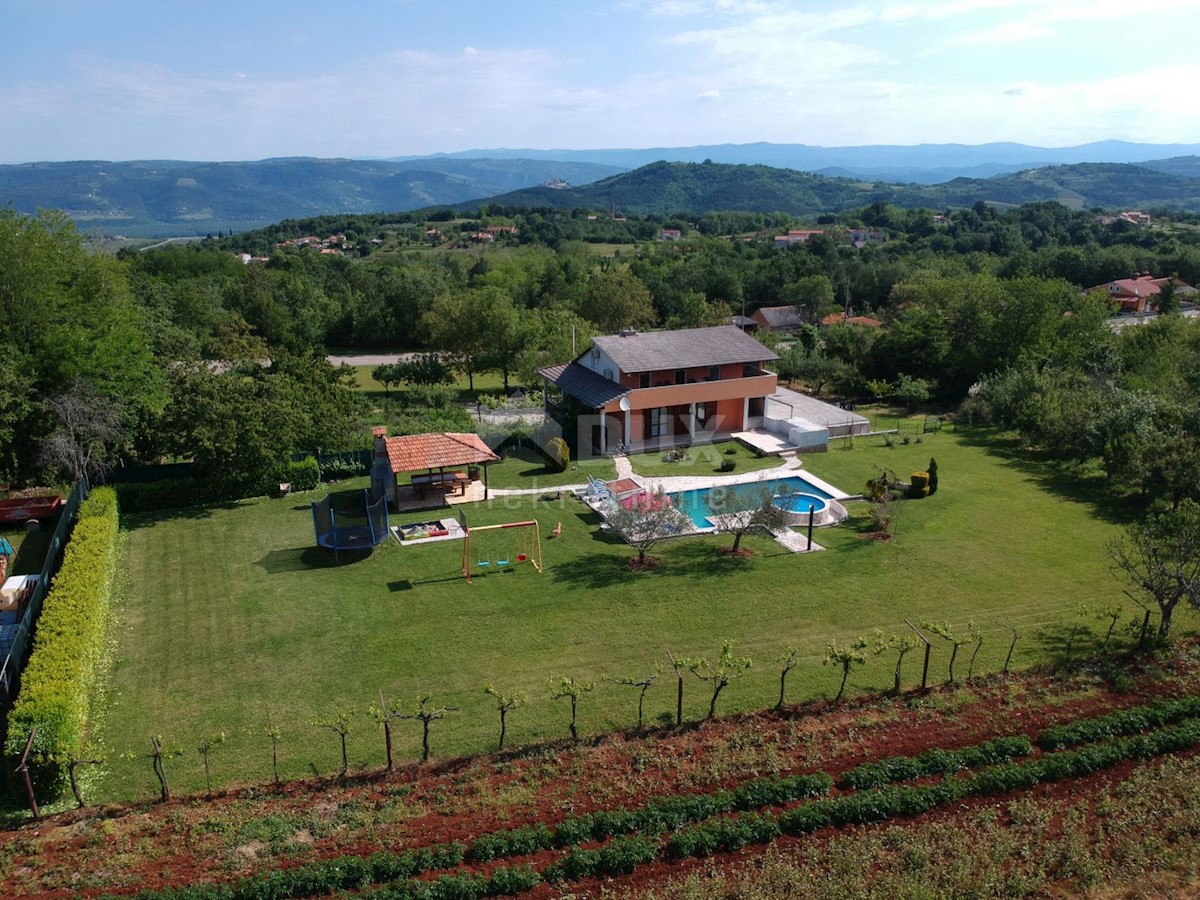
<point x="670" y="234"/>
<point x="1136" y="295"/>
<point x="796" y="236"/>
<point x="431" y="454"/>
<point x="662" y="389"/>
<point x="777" y="318"/>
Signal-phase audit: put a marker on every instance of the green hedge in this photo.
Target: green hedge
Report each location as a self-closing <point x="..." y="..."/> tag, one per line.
<point x="176" y="493"/>
<point x="56" y="685"/>
<point x="1122" y="722"/>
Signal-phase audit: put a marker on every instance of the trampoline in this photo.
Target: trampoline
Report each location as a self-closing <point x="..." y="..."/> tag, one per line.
<point x="350" y="521"/>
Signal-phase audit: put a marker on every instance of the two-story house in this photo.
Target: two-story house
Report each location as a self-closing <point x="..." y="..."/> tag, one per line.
<point x="662" y="389"/>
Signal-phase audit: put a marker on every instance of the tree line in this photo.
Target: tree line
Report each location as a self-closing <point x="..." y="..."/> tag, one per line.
<point x="158" y="347"/>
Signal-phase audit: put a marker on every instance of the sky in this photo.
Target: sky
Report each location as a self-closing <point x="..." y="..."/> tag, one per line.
<point x="128" y="79"/>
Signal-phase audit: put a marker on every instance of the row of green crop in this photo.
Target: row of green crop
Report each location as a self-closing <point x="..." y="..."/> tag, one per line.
<point x="696" y="821"/>
<point x="56" y="685"/>
<point x="342" y="873"/>
<point x="659" y="814"/>
<point x="935" y="762"/>
<point x="892" y="802"/>
<point x="1122" y="722"/>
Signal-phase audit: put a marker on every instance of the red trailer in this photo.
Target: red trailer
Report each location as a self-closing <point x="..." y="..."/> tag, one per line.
<point x="29" y="508"/>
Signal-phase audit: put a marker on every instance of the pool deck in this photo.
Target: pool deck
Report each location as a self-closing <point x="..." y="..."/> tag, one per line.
<point x="790" y="465"/>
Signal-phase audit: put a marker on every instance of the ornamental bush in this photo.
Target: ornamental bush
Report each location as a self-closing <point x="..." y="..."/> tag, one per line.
<point x="559" y="453"/>
<point x="57" y="683"/>
<point x="918" y="485"/>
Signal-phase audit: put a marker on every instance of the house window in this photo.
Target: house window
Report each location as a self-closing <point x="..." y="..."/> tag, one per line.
<point x="644" y="380"/>
<point x="608" y="373"/>
<point x="656" y="421"/>
<point x="714" y="373"/>
<point x="681" y="376"/>
<point x="757" y="407"/>
<point x="707" y="413"/>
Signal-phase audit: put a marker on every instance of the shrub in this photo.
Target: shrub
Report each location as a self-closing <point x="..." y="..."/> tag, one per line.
<point x="919" y="485"/>
<point x="728" y="465"/>
<point x="559" y="453"/>
<point x="302" y="475"/>
<point x="57" y="684"/>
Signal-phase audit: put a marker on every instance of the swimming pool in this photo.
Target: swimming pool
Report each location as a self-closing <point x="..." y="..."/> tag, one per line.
<point x="792" y="494"/>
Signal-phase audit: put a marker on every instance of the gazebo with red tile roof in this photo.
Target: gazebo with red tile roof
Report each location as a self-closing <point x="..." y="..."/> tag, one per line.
<point x="434" y="454"/>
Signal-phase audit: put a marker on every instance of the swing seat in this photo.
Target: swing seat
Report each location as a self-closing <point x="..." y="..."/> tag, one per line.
<point x="521" y="557"/>
<point x="483" y="564"/>
<point x="502" y="562"/>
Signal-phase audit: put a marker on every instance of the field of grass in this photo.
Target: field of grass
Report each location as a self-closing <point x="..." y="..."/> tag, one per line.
<point x="528" y="469"/>
<point x="231" y="619"/>
<point x="485" y="383"/>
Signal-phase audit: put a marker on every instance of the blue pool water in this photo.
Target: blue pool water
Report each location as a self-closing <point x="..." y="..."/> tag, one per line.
<point x="794" y="492"/>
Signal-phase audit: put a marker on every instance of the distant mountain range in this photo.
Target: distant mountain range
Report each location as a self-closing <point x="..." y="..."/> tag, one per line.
<point x="694" y="188"/>
<point x="165" y="198"/>
<point x="921" y="163"/>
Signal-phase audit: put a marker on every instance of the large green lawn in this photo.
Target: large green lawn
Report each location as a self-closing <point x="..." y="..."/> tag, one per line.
<point x="230" y="618"/>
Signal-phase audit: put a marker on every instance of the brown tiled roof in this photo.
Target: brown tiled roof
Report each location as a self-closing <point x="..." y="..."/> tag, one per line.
<point x="624" y="486"/>
<point x="780" y="316"/>
<point x="657" y="350"/>
<point x="414" y="452"/>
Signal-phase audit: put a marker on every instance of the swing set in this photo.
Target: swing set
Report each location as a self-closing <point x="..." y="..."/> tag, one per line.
<point x="492" y="548"/>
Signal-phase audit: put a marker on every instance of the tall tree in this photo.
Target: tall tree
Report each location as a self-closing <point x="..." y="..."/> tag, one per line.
<point x="1159" y="558"/>
<point x="615" y="300"/>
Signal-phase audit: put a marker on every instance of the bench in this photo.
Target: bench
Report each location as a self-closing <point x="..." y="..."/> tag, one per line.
<point x="441" y="479"/>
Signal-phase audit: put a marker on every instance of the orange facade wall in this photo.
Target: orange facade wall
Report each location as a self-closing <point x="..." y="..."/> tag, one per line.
<point x="734" y="389"/>
<point x="729" y="414"/>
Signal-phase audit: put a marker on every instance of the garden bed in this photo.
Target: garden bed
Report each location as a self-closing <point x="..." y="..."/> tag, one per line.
<point x="241" y="832"/>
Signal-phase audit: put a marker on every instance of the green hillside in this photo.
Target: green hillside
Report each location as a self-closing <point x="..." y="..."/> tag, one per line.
<point x="170" y="197"/>
<point x="665" y="188"/>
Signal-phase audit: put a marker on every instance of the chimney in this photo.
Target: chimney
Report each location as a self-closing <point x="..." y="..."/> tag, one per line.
<point x="628" y="331"/>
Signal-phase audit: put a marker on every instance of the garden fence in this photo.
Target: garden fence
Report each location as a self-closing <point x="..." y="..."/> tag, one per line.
<point x="22" y="638"/>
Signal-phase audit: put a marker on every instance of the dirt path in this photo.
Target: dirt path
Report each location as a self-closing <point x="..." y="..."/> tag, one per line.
<point x="370" y="359"/>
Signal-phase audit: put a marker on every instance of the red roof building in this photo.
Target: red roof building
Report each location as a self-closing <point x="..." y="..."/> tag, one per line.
<point x="1137" y="294"/>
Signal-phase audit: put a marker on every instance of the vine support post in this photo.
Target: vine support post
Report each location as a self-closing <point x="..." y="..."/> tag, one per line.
<point x="678" y="690"/>
<point x="387" y="731"/>
<point x="928" y="650"/>
<point x="23" y="768"/>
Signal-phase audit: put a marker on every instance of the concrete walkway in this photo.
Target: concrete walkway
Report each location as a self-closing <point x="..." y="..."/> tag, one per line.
<point x="670" y="484"/>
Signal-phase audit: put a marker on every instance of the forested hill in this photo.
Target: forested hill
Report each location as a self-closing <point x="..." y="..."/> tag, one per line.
<point x="170" y="197"/>
<point x="664" y="188"/>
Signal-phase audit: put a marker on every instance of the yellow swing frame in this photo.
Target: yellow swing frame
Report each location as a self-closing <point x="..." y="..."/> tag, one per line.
<point x="530" y="550"/>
